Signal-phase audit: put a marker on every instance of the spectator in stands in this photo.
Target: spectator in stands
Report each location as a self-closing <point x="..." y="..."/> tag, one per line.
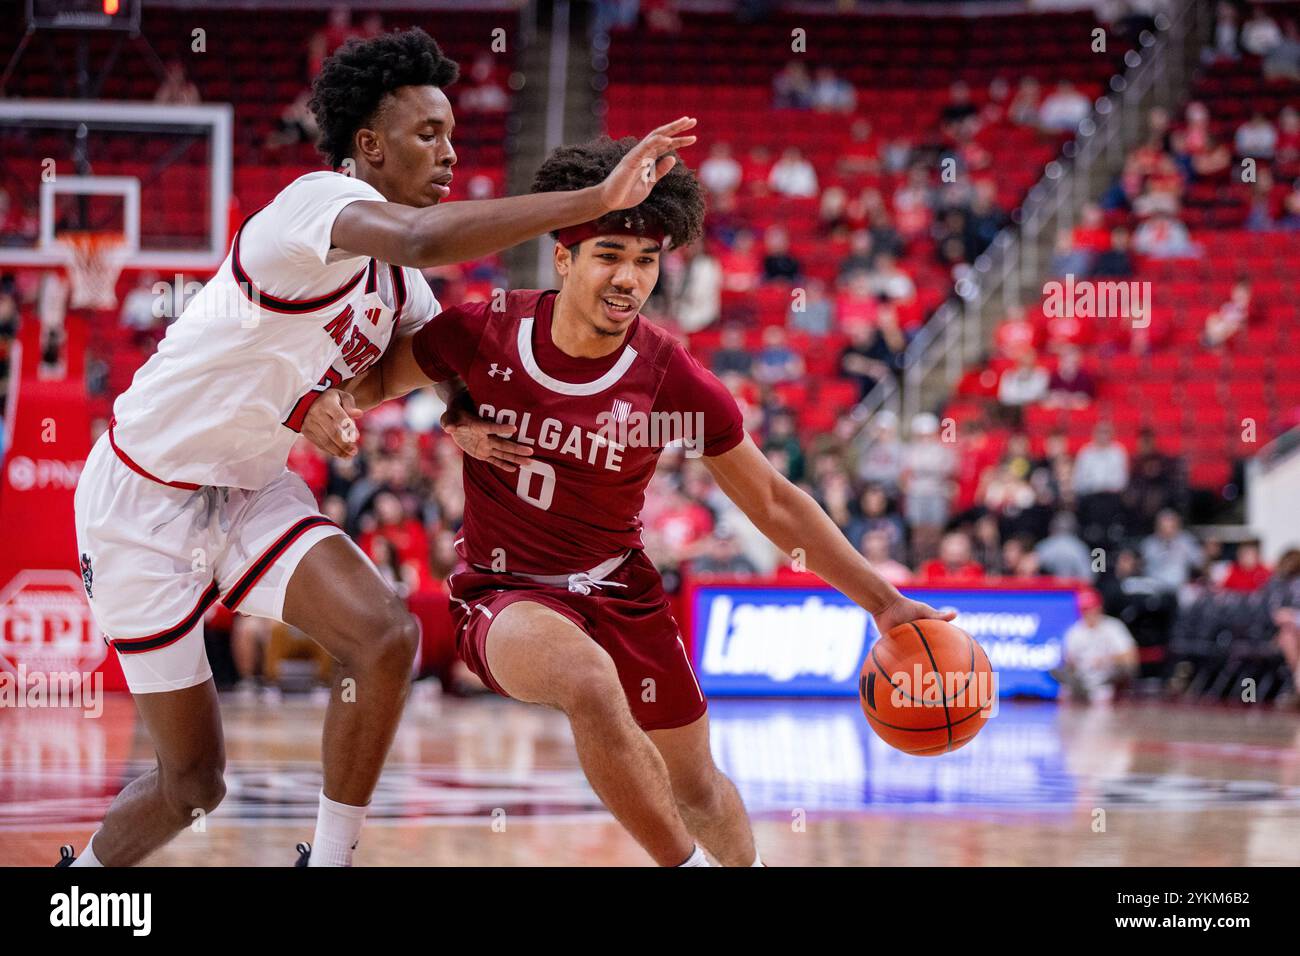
<point x="875" y="548"/>
<point x="783" y="433"/>
<point x="661" y="16"/>
<point x="953" y="563"/>
<point x="1260" y="34"/>
<point x="1091" y="234"/>
<point x="720" y="556"/>
<point x="296" y="124"/>
<point x="1287" y="151"/>
<point x="333" y="35"/>
<point x="1229" y="319"/>
<point x="881" y="461"/>
<point x="1066" y="259"/>
<point x="877" y="513"/>
<point x="793" y="175"/>
<point x="1256" y="138"/>
<point x="1115" y="262"/>
<point x="1287" y="620"/>
<point x="1004" y="487"/>
<point x="1207" y="164"/>
<point x="1226" y="27"/>
<point x="832" y="93"/>
<point x="1014" y="334"/>
<point x="865" y="358"/>
<point x="176" y="88"/>
<point x="814" y="312"/>
<point x="1063" y="109"/>
<point x="1101" y="467"/>
<point x="889" y="281"/>
<point x="861" y="256"/>
<point x="833" y="213"/>
<point x="483" y="94"/>
<point x="984" y="220"/>
<point x="1164" y="237"/>
<point x="914" y="204"/>
<point x="929" y="465"/>
<point x="778" y="263"/>
<point x="1155" y="483"/>
<point x="1247" y="572"/>
<point x="777" y="362"/>
<point x="860" y="155"/>
<point x="1062" y="554"/>
<point x="756" y="168"/>
<point x="1025" y="383"/>
<point x="1070" y="385"/>
<point x="792" y="87"/>
<point x="142" y="310"/>
<point x="741" y="266"/>
<point x="1283" y="62"/>
<point x="695" y="288"/>
<point x="1024" y="107"/>
<point x="1291" y="209"/>
<point x="1171" y="554"/>
<point x="720" y="172"/>
<point x="732" y="356"/>
<point x="1100" y="655"/>
<point x="856" y="304"/>
<point x="405" y="533"/>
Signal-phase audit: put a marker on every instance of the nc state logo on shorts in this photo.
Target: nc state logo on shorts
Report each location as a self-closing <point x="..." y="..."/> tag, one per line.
<point x="87" y="574"/>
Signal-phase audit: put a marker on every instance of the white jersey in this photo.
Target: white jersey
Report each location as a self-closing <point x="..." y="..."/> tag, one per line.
<point x="286" y="316"/>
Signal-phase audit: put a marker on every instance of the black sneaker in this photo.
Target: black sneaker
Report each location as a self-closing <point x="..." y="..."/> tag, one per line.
<point x="304" y="854"/>
<point x="65" y="856"/>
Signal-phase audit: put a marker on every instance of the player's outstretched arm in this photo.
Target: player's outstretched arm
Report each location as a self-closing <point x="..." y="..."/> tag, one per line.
<point x="792" y="520"/>
<point x="330" y="422"/>
<point x="463" y="231"/>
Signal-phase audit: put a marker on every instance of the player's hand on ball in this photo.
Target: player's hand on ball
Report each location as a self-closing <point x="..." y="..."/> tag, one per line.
<point x="904" y="609"/>
<point x="331" y="423"/>
<point x="483" y="439"/>
<point x="645" y="164"/>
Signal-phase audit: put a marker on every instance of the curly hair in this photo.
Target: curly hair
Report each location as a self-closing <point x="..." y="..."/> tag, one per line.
<point x="675" y="204"/>
<point x="353" y="82"/>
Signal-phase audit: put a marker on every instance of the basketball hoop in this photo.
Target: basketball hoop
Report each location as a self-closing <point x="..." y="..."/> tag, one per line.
<point x="94" y="261"/>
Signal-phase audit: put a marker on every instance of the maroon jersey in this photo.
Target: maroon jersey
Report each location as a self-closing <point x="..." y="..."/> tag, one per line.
<point x="597" y="427"/>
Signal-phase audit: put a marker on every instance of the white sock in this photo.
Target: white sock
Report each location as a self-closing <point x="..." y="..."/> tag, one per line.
<point x="338" y="829"/>
<point x="697" y="858"/>
<point x="87" y="856"/>
<point x="757" y="859"/>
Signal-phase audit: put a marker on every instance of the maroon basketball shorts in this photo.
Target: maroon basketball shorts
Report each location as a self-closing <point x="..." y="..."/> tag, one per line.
<point x="632" y="623"/>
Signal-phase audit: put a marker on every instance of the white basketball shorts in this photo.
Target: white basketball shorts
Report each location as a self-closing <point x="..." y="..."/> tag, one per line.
<point x="156" y="556"/>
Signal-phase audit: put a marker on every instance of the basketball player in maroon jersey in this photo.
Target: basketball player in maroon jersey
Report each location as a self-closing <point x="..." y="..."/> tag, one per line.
<point x="557" y="603"/>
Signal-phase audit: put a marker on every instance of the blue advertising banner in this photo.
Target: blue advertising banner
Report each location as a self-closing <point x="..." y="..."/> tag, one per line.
<point x="770" y="641"/>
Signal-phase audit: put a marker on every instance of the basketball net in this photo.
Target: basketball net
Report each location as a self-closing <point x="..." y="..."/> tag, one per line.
<point x="94" y="261"/>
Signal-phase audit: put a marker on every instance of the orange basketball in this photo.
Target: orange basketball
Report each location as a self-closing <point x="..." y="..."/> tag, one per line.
<point x="926" y="687"/>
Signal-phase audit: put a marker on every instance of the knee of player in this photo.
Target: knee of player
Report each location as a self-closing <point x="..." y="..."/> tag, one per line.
<point x="387" y="640"/>
<point x="698" y="791"/>
<point x="203" y="787"/>
<point x="591" y="688"/>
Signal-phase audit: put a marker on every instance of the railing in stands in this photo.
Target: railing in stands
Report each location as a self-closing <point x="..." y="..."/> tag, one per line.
<point x="1157" y="73"/>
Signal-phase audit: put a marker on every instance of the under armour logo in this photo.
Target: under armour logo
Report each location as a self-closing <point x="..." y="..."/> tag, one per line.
<point x="493" y="372"/>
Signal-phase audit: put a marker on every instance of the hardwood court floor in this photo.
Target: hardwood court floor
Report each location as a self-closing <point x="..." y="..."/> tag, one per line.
<point x="1043" y="784"/>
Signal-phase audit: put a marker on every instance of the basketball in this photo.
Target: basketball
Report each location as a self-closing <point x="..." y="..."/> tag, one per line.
<point x="926" y="688"/>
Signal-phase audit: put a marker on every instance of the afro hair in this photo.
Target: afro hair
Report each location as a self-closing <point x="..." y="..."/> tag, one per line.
<point x="354" y="81"/>
<point x="675" y="204"/>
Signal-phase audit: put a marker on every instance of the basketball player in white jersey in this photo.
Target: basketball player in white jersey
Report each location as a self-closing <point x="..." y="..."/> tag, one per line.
<point x="186" y="499"/>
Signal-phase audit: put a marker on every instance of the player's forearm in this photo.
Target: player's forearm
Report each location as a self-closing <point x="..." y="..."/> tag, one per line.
<point x="462" y="231"/>
<point x="796" y="524"/>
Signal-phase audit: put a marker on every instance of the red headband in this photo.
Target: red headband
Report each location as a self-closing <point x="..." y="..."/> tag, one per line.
<point x="593" y="228"/>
